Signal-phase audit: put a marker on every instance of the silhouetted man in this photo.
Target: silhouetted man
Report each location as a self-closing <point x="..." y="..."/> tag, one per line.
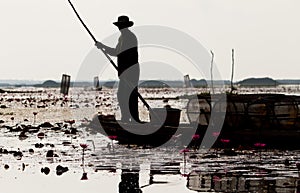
<point x="128" y="69"/>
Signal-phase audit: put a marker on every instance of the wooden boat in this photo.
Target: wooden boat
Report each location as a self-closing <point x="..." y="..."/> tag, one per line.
<point x="151" y="133"/>
<point x="270" y="119"/>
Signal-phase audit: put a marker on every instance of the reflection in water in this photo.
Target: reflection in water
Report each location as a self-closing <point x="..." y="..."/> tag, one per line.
<point x="214" y="171"/>
<point x="242" y="180"/>
<point x="129" y="181"/>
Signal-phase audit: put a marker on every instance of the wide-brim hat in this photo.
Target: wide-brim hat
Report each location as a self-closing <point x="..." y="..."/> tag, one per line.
<point x="123" y="21"/>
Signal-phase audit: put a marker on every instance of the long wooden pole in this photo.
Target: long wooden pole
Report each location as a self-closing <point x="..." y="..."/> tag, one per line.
<point x="107" y="56"/>
<point x="92" y="36"/>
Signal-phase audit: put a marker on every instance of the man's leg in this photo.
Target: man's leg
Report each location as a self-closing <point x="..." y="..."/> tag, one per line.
<point x="128" y="95"/>
<point x="133" y="105"/>
<point x="123" y="99"/>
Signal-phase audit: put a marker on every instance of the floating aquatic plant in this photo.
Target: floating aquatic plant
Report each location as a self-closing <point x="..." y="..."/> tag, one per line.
<point x="84" y="147"/>
<point x="113" y="137"/>
<point x="34" y="117"/>
<point x="195" y="137"/>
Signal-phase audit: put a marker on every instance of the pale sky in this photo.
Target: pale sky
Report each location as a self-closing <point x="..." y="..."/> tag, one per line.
<point x="42" y="39"/>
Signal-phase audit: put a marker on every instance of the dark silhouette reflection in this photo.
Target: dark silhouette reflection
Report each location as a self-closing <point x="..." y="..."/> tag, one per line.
<point x="129" y="181"/>
<point x="128" y="69"/>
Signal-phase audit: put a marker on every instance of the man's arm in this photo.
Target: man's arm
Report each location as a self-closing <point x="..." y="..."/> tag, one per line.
<point x="107" y="49"/>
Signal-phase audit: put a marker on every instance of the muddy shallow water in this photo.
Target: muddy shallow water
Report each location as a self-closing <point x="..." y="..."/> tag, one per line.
<point x="109" y="167"/>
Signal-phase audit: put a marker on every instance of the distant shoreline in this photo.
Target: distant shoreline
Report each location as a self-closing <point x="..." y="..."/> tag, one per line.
<point x="255" y="82"/>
